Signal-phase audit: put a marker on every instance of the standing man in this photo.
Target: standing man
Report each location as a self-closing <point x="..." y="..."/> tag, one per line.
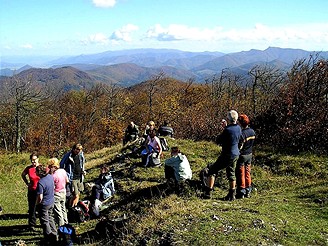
<point x="73" y="162"/>
<point x="229" y="140"/>
<point x="45" y="200"/>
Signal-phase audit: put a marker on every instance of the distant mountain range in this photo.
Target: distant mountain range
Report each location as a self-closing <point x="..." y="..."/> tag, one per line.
<point x="129" y="67"/>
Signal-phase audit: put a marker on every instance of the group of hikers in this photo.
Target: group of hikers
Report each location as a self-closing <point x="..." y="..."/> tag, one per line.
<point x="237" y="139"/>
<point x="56" y="187"/>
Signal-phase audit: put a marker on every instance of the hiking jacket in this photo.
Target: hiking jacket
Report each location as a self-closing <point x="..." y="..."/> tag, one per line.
<point x="246" y="141"/>
<point x="229" y="140"/>
<point x="67" y="163"/>
<point x="181" y="167"/>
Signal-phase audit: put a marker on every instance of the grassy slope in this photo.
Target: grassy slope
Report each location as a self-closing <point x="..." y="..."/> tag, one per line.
<point x="288" y="208"/>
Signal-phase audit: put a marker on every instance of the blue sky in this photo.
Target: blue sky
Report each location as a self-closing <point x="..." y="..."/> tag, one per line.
<point x="74" y="27"/>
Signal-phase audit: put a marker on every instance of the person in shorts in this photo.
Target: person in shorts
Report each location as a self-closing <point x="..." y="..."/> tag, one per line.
<point x="73" y="163"/>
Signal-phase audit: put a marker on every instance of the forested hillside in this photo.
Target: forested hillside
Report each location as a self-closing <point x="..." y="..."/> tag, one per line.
<point x="287" y="109"/>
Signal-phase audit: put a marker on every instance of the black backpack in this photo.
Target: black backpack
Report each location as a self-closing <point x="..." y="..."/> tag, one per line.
<point x="79" y="213"/>
<point x="164" y="144"/>
<point x="203" y="176"/>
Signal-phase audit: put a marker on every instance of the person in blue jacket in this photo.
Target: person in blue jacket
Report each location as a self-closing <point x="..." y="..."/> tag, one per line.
<point x="229" y="140"/>
<point x="73" y="162"/>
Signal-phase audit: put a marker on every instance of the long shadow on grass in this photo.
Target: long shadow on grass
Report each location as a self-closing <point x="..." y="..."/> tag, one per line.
<point x="19" y="231"/>
<point x="13" y="216"/>
<point x="113" y="230"/>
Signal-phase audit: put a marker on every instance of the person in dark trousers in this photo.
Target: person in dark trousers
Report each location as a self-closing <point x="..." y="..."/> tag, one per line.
<point x="131" y="133"/>
<point x="31" y="183"/>
<point x="165" y="130"/>
<point x="243" y="170"/>
<point x="229" y="140"/>
<point x="45" y="201"/>
<point x="73" y="163"/>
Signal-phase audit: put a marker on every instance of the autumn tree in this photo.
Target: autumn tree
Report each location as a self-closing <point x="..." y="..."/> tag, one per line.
<point x="264" y="86"/>
<point x="25" y="97"/>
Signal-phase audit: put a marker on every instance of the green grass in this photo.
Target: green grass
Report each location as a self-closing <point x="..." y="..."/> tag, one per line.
<point x="289" y="206"/>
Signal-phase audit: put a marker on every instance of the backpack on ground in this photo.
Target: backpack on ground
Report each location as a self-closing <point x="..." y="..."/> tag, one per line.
<point x="164" y="144"/>
<point x="79" y="213"/>
<point x="66" y="235"/>
<point x="204" y="177"/>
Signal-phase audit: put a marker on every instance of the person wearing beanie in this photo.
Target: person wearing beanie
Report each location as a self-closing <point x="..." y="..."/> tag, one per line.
<point x="243" y="170"/>
<point x="229" y="140"/>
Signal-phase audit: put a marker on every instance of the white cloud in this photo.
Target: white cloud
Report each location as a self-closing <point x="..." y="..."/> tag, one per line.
<point x="99" y="38"/>
<point x="182" y="32"/>
<point x="296" y="36"/>
<point x="124" y="33"/>
<point x="104" y="3"/>
<point x="27" y="46"/>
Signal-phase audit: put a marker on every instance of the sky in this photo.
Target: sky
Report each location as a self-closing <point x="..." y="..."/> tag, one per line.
<point x="75" y="27"/>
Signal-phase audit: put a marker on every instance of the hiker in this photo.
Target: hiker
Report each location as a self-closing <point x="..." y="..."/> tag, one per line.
<point x="102" y="189"/>
<point x="131" y="133"/>
<point x="98" y="191"/>
<point x="153" y="150"/>
<point x="243" y="169"/>
<point x="61" y="180"/>
<point x="165" y="130"/>
<point x="31" y="184"/>
<point x="45" y="201"/>
<point x="150" y="126"/>
<point x="177" y="167"/>
<point x="73" y="162"/>
<point x="229" y="140"/>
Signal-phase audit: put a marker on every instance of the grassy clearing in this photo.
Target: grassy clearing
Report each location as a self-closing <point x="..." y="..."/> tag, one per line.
<point x="288" y="208"/>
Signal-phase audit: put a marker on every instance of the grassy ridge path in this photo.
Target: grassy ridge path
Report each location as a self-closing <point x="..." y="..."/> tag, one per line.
<point x="289" y="206"/>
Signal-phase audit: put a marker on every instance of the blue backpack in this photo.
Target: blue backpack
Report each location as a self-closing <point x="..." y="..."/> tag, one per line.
<point x="66" y="235"/>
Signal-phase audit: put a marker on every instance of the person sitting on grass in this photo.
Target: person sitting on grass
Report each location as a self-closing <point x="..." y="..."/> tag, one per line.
<point x="153" y="150"/>
<point x="131" y="133"/>
<point x="177" y="168"/>
<point x="102" y="189"/>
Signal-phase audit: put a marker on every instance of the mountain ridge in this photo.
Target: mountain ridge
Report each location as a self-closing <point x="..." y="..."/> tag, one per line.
<point x="128" y="67"/>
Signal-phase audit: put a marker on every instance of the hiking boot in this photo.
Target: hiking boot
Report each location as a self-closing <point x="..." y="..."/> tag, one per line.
<point x="207" y="193"/>
<point x="248" y="192"/>
<point x="231" y="196"/>
<point x="240" y="193"/>
<point x="240" y="196"/>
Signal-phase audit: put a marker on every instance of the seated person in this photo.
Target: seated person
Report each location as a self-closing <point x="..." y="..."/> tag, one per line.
<point x="165" y="130"/>
<point x="153" y="150"/>
<point x="104" y="185"/>
<point x="131" y="133"/>
<point x="150" y="126"/>
<point x="102" y="190"/>
<point x="177" y="167"/>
